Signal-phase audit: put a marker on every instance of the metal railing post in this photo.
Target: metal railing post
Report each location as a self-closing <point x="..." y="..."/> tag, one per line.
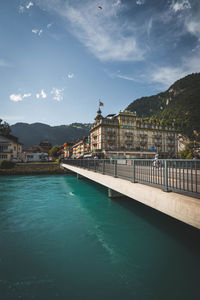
<point x="133" y="178"/>
<point x="103" y="166"/>
<point x="115" y="168"/>
<point x="95" y="166"/>
<point x="166" y="189"/>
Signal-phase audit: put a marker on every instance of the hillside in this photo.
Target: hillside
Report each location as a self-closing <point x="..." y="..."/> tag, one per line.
<point x="180" y="103"/>
<point x="33" y="134"/>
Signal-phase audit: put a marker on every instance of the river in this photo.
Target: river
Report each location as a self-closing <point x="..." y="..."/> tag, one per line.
<point x="63" y="238"/>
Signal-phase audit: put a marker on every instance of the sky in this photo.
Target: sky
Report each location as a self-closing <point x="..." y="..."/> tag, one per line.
<point x="58" y="58"/>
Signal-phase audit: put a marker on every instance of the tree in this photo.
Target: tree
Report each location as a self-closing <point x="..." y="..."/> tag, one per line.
<point x="191" y="150"/>
<point x="54" y="151"/>
<point x="4" y="128"/>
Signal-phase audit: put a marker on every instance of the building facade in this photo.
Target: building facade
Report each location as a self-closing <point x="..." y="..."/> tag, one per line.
<point x="81" y="148"/>
<point x="10" y="148"/>
<point x="35" y="156"/>
<point x="126" y="135"/>
<point x="45" y="146"/>
<point x="68" y="151"/>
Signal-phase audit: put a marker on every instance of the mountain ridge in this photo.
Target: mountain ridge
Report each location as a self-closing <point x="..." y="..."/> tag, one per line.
<point x="33" y="134"/>
<point x="180" y="104"/>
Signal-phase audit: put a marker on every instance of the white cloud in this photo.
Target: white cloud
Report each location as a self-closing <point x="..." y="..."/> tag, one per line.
<point x="29" y="5"/>
<point x="117" y="3"/>
<point x="57" y="94"/>
<point x="127" y="78"/>
<point x="19" y="97"/>
<point x="163" y="76"/>
<point x="22" y="8"/>
<point x="167" y="75"/>
<point x="16" y="97"/>
<point x="149" y="26"/>
<point x="70" y="76"/>
<point x="193" y="26"/>
<point x="101" y="31"/>
<point x="27" y="95"/>
<point x="42" y="94"/>
<point x="180" y="5"/>
<point x="49" y="25"/>
<point x="12" y="118"/>
<point x="37" y="31"/>
<point x="140" y="2"/>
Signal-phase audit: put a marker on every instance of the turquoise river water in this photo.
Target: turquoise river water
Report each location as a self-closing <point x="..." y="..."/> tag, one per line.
<point x="63" y="238"/>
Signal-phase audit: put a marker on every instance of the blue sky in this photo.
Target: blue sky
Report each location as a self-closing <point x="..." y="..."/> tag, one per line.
<point x="59" y="57"/>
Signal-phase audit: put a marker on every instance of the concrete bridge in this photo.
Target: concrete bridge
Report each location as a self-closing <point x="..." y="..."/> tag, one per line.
<point x="172" y="188"/>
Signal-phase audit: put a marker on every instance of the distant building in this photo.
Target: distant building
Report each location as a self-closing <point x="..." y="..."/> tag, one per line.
<point x="10" y="148"/>
<point x="35" y="153"/>
<point x="34" y="149"/>
<point x="45" y="146"/>
<point x="42" y="147"/>
<point x="127" y="136"/>
<point x="35" y="156"/>
<point x="81" y="148"/>
<point x="68" y="150"/>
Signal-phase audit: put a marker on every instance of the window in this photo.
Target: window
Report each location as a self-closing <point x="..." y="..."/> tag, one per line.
<point x="2" y="148"/>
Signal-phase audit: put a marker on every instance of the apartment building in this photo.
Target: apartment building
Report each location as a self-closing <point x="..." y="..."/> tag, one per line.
<point x="68" y="151"/>
<point x="81" y="148"/>
<point x="10" y="148"/>
<point x="127" y="136"/>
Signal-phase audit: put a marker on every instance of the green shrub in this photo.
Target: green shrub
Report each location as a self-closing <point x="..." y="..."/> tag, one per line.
<point x="7" y="164"/>
<point x="189" y="156"/>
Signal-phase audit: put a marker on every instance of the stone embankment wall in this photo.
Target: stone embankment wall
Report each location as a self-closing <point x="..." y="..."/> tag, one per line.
<point x="34" y="169"/>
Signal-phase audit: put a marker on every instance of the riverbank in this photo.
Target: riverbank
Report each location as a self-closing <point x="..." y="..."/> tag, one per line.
<point x="34" y="169"/>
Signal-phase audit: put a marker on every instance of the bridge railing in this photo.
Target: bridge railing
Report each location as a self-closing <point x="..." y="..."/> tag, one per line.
<point x="170" y="175"/>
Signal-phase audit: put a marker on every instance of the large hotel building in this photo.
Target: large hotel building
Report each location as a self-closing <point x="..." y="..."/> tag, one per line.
<point x="125" y="135"/>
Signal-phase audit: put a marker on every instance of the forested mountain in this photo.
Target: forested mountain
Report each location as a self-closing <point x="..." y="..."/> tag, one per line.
<point x="179" y="104"/>
<point x="33" y="134"/>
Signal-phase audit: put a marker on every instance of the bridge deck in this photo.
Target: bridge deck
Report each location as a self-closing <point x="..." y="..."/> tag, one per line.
<point x="181" y="207"/>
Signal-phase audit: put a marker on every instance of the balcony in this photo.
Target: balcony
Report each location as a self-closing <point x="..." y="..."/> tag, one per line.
<point x="171" y="143"/>
<point x="112" y="140"/>
<point x="129" y="142"/>
<point x="158" y="144"/>
<point x="128" y="134"/>
<point x="112" y="133"/>
<point x="143" y="143"/>
<point x="143" y="135"/>
<point x="129" y="138"/>
<point x="6" y="150"/>
<point x="170" y="137"/>
<point x="157" y="135"/>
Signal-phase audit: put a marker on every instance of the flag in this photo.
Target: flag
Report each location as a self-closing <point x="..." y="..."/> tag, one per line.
<point x="101" y="103"/>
